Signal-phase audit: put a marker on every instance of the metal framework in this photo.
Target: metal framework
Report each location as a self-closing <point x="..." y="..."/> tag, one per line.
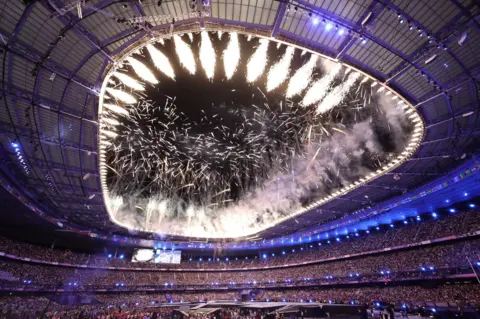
<point x="52" y="66"/>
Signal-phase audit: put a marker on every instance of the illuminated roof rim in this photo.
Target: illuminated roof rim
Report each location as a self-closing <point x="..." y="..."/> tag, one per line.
<point x="410" y="149"/>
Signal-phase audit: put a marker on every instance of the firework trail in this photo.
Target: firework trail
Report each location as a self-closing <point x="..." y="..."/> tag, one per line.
<point x="231" y="56"/>
<point x="258" y="61"/>
<point x="207" y="55"/>
<point x="279" y="72"/>
<point x="160" y="61"/>
<point x="122" y="96"/>
<point x="185" y="54"/>
<point x="128" y="81"/>
<point x="319" y="89"/>
<point x="142" y="71"/>
<point x="302" y="78"/>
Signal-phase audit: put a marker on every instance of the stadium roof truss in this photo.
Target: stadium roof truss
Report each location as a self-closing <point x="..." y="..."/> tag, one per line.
<point x="53" y="63"/>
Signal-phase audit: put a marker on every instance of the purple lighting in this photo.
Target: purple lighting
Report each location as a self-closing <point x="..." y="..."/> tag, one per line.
<point x="316" y="21"/>
<point x="328" y="26"/>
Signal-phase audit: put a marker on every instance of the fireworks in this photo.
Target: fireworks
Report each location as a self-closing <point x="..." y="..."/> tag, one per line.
<point x="319" y="89"/>
<point x="207" y="55"/>
<point x="161" y="61"/>
<point x="279" y="72"/>
<point x="185" y="54"/>
<point x="338" y="94"/>
<point x="231" y="56"/>
<point x="115" y="109"/>
<point x="258" y="61"/>
<point x="142" y="71"/>
<point x="302" y="78"/>
<point x="122" y="96"/>
<point x="245" y="163"/>
<point x="128" y="81"/>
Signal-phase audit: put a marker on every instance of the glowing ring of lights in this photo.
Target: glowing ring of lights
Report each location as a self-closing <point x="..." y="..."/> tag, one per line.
<point x="410" y="112"/>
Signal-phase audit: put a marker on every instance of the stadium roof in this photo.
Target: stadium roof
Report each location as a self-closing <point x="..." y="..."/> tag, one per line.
<point x="53" y="63"/>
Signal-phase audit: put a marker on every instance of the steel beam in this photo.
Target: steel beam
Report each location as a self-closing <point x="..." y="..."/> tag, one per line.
<point x="37" y="183"/>
<point x="376" y="8"/>
<point x="26" y="52"/>
<point x="414" y="174"/>
<point x="424" y="49"/>
<point x="6" y="130"/>
<point x="55" y="166"/>
<point x="80" y="30"/>
<point x="16" y="93"/>
<point x="138" y="10"/>
<point x="278" y="18"/>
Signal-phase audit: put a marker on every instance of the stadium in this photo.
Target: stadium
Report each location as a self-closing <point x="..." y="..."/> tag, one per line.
<point x="239" y="159"/>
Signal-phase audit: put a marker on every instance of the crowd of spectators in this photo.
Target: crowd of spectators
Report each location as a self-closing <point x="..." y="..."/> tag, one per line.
<point x="36" y="307"/>
<point x="415" y="232"/>
<point x="136" y="306"/>
<point x="420" y="262"/>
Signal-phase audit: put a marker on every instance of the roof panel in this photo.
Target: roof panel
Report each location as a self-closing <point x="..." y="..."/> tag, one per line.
<point x="71" y="51"/>
<point x="372" y="54"/>
<point x="413" y="83"/>
<point x="39" y="30"/>
<point x="10" y="13"/>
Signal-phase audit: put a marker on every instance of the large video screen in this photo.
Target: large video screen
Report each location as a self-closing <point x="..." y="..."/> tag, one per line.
<point x="142" y="255"/>
<point x="168" y="256"/>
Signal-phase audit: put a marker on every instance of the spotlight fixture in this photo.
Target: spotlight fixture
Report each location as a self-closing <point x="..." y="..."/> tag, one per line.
<point x="430" y="59"/>
<point x="367" y="18"/>
<point x="463" y="38"/>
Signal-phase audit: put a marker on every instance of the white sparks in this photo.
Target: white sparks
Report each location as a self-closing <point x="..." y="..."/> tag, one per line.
<point x="160" y="61"/>
<point x="219" y="33"/>
<point x="109" y="133"/>
<point x="207" y="55"/>
<point x="231" y="55"/>
<point x="190" y="36"/>
<point x="162" y="42"/>
<point x="116" y="109"/>
<point x="278" y="45"/>
<point x="337" y="95"/>
<point x="258" y="61"/>
<point x="142" y="71"/>
<point x="185" y="54"/>
<point x="110" y="121"/>
<point x="319" y="89"/>
<point x="249" y="38"/>
<point x="303" y="52"/>
<point x="279" y="72"/>
<point x="300" y="80"/>
<point x="122" y="96"/>
<point x="128" y="81"/>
